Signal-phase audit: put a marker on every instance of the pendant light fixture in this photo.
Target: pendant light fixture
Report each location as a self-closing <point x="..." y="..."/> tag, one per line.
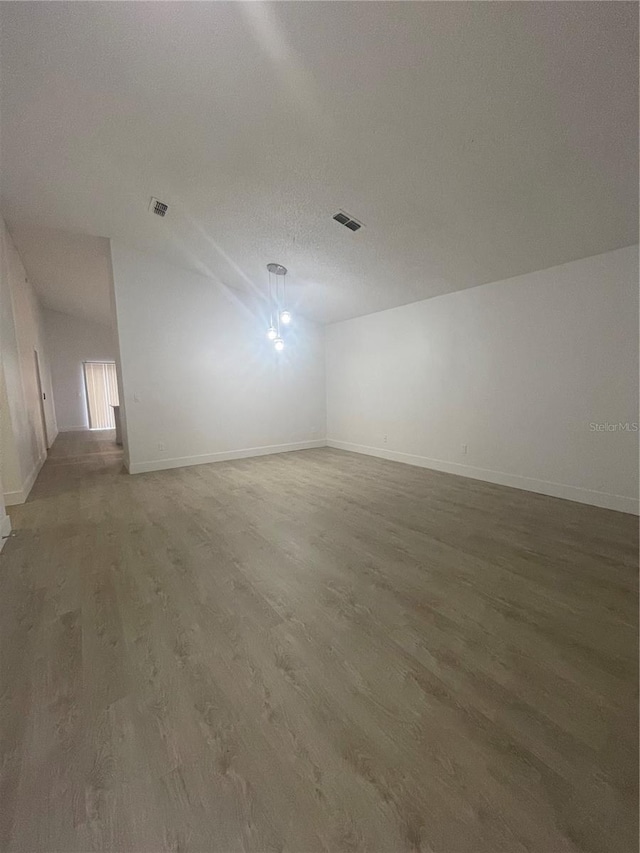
<point x="277" y="275"/>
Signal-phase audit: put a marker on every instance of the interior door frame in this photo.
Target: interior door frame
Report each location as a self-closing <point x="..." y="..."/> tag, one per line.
<point x="86" y="391"/>
<point x="41" y="397"/>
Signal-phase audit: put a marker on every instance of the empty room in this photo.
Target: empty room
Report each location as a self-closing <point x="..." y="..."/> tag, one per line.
<point x="319" y="427"/>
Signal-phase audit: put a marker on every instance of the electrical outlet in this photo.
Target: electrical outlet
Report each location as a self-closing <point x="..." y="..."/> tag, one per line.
<point x="385" y="438"/>
<point x="464" y="449"/>
<point x="161" y="445"/>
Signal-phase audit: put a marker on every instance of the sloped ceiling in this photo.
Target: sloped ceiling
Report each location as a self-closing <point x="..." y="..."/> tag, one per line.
<point x="476" y="141"/>
<point x="70" y="272"/>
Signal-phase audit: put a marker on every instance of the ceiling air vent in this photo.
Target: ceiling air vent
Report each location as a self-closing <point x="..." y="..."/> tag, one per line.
<point x="348" y="221"/>
<point x="158" y="207"/>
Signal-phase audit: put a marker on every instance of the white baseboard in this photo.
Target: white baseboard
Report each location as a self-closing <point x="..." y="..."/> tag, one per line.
<point x="14" y="498"/>
<point x="5" y="529"/>
<point x="19" y="496"/>
<point x="620" y="503"/>
<point x="224" y="456"/>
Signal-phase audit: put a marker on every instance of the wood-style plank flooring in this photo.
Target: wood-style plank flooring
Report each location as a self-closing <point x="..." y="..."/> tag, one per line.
<point x="313" y="651"/>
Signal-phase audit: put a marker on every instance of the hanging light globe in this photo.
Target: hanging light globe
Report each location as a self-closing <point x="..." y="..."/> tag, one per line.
<point x="272" y="334"/>
<point x="278" y="344"/>
<point x="285" y="317"/>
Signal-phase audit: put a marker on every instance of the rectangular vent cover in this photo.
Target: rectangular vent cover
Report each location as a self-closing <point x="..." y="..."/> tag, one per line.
<point x="158" y="207"/>
<point x="348" y="221"/>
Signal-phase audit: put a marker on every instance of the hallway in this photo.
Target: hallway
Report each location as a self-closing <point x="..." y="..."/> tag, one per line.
<point x="313" y="651"/>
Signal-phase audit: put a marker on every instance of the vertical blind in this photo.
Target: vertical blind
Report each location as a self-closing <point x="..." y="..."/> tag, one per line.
<point x="102" y="393"/>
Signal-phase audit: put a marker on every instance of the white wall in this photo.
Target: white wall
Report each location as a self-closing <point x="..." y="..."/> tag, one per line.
<point x="200" y="380"/>
<point x="516" y="370"/>
<point x="23" y="442"/>
<point x="72" y="341"/>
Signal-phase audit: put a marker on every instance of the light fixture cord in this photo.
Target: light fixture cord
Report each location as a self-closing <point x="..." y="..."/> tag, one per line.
<point x="277" y="305"/>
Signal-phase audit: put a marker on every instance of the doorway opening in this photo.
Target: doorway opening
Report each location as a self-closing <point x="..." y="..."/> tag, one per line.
<point x="101" y="385"/>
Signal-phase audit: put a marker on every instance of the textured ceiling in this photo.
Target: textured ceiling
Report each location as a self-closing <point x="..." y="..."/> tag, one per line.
<point x="476" y="141"/>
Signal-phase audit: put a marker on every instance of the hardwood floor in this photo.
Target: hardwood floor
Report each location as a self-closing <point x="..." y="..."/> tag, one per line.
<point x="314" y="651"/>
